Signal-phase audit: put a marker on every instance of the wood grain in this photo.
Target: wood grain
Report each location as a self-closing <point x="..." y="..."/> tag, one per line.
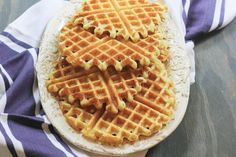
<point x="209" y="126"/>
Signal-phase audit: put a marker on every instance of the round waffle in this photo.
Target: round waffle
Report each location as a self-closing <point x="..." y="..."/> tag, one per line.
<point x="132" y="19"/>
<point x="85" y="49"/>
<point x="150" y="110"/>
<point x="178" y="70"/>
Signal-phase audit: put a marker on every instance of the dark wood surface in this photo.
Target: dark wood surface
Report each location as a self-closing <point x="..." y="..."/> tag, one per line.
<point x="209" y="126"/>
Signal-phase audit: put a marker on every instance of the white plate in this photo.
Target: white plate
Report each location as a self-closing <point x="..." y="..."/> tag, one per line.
<point x="178" y="68"/>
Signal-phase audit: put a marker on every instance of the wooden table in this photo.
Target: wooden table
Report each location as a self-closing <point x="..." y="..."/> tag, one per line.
<point x="209" y="126"/>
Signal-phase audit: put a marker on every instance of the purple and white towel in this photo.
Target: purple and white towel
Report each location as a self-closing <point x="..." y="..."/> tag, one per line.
<point x="24" y="129"/>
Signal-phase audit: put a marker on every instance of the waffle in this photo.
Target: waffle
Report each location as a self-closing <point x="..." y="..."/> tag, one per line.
<point x="155" y="44"/>
<point x="94" y="87"/>
<point x="149" y="112"/>
<point x="83" y="48"/>
<point x="80" y="118"/>
<point x="121" y="18"/>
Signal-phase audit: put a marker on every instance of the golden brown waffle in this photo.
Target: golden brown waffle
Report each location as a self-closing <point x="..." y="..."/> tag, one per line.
<point x="82" y="48"/>
<point x="94" y="87"/>
<point x="121" y="18"/>
<point x="155" y="44"/>
<point x="150" y="110"/>
<point x="80" y="118"/>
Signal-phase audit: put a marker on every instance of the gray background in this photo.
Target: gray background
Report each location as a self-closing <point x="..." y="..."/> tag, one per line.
<point x="209" y="126"/>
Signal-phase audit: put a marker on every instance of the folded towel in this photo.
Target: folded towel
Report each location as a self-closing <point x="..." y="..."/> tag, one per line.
<point x="24" y="128"/>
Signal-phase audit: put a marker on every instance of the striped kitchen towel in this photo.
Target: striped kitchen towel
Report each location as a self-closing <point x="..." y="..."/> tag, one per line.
<point x="24" y="128"/>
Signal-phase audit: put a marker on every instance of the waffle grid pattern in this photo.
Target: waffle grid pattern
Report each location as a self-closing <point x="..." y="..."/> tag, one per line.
<point x="94" y="87"/>
<point x="82" y="48"/>
<point x="121" y="18"/>
<point x="158" y="82"/>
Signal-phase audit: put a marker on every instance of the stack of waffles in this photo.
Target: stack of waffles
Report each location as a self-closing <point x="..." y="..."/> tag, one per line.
<point x="111" y="81"/>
